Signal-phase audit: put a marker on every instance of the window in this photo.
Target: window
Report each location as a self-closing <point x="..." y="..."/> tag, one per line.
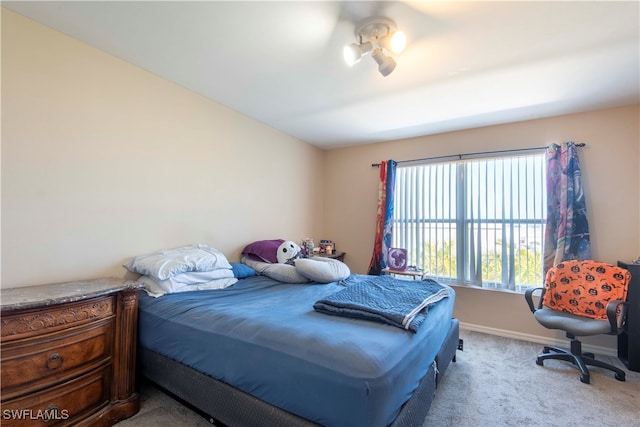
<point x="478" y="221"/>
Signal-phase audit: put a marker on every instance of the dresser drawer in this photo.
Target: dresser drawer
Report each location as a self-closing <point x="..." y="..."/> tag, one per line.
<point x="36" y="322"/>
<point x="30" y="364"/>
<point x="62" y="405"/>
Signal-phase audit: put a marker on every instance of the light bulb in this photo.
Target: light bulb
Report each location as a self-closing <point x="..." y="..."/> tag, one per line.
<point x="398" y="42"/>
<point x="352" y="54"/>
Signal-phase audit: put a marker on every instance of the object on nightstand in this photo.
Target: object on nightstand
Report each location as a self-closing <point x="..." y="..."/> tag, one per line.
<point x="397" y="259"/>
<point x="327" y="247"/>
<point x="307" y="244"/>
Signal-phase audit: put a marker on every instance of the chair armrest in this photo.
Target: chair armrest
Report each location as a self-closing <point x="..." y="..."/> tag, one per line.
<point x="617" y="319"/>
<point x="528" y="295"/>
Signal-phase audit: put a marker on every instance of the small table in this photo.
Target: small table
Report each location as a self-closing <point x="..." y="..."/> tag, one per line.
<point x="415" y="274"/>
<point x="336" y="255"/>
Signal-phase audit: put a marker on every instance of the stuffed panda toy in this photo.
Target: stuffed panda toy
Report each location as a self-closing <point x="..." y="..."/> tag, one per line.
<point x="288" y="251"/>
<point x="292" y="266"/>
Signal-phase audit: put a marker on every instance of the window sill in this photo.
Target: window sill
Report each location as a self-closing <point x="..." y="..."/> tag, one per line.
<point x="461" y="284"/>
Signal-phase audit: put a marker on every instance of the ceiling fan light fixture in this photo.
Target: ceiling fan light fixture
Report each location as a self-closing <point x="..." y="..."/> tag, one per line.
<point x="378" y="35"/>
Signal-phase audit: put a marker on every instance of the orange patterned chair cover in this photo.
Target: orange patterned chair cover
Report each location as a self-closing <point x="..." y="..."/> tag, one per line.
<point x="584" y="288"/>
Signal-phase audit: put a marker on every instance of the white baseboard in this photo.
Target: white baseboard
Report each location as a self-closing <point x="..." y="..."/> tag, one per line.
<point x="605" y="351"/>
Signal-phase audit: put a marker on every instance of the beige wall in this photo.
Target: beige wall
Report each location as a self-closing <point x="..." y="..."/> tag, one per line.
<point x="102" y="161"/>
<point x="610" y="165"/>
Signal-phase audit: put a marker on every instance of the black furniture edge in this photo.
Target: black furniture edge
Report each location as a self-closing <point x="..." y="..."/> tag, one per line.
<point x="629" y="339"/>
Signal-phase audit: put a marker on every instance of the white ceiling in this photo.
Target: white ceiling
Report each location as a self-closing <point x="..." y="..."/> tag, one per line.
<point x="467" y="64"/>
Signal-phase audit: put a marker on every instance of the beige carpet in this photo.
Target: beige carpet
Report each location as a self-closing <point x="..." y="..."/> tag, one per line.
<point x="495" y="382"/>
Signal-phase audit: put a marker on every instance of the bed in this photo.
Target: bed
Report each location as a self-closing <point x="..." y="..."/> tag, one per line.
<point x="257" y="353"/>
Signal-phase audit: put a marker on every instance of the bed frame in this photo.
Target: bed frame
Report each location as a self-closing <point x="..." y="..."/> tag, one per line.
<point x="225" y="404"/>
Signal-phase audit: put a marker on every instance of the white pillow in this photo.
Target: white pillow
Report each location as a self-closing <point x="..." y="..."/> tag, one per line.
<point x="281" y="272"/>
<point x="164" y="264"/>
<point x="176" y="282"/>
<point x="322" y="270"/>
<point x="155" y="288"/>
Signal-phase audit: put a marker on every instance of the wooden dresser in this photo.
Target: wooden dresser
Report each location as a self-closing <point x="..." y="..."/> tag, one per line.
<point x="68" y="353"/>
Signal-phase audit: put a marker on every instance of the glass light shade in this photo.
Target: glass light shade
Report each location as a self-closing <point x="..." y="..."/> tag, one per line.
<point x="352" y="54"/>
<point x="398" y="42"/>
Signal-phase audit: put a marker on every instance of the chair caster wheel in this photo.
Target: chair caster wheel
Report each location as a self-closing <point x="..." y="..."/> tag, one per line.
<point x="539" y="361"/>
<point x="621" y="377"/>
<point x="584" y="379"/>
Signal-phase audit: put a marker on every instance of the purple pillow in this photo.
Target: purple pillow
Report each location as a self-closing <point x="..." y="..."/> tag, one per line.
<point x="263" y="250"/>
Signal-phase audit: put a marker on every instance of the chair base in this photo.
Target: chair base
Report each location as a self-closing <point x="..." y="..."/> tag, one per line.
<point x="579" y="359"/>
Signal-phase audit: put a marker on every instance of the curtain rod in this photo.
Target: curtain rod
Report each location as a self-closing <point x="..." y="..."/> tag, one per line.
<point x="459" y="156"/>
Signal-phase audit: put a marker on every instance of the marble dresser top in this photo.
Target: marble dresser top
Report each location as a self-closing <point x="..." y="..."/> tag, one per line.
<point x="59" y="293"/>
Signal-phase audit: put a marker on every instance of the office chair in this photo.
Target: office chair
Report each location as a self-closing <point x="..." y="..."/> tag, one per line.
<point x="581" y="298"/>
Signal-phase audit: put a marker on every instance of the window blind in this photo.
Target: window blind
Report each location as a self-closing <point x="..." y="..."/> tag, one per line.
<point x="479" y="221"/>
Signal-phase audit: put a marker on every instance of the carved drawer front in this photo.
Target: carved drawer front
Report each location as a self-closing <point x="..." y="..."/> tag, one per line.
<point x="55" y="318"/>
<point x="30" y="364"/>
<point x="61" y="405"/>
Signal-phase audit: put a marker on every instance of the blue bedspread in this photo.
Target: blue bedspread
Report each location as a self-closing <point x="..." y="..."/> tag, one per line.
<point x="385" y="299"/>
<point x="264" y="338"/>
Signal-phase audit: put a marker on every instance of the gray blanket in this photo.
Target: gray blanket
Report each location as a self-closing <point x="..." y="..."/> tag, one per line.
<point x="401" y="303"/>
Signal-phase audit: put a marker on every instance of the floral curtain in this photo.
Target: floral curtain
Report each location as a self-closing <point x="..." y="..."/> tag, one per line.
<point x="383" y="217"/>
<point x="567" y="229"/>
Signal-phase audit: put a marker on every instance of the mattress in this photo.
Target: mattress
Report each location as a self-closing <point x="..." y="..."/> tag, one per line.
<point x="264" y="338"/>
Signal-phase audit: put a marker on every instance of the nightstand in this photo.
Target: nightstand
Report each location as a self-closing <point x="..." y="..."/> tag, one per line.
<point x="336" y="255"/>
<point x="68" y="353"/>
